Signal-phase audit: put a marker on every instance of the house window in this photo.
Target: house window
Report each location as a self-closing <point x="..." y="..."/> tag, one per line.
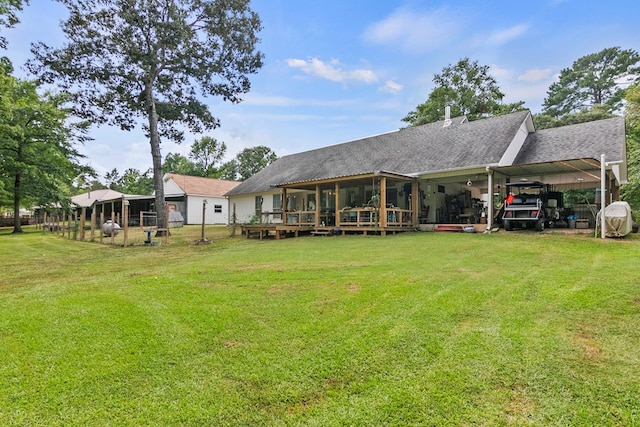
<point x="217" y="208"/>
<point x="277" y="206"/>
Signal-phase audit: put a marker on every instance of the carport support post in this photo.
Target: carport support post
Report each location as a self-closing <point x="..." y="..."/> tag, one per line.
<point x="490" y="201"/>
<point x="603" y="189"/>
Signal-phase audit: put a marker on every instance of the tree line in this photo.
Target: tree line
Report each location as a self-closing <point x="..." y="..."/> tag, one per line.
<point x="592" y="88"/>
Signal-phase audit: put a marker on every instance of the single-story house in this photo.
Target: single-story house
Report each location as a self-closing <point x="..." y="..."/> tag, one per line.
<point x="452" y="171"/>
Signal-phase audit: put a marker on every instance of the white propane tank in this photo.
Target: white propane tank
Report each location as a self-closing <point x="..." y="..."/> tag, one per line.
<point x="108" y="226"/>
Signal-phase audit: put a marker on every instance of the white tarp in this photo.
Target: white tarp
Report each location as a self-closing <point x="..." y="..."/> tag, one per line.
<point x="618" y="219"/>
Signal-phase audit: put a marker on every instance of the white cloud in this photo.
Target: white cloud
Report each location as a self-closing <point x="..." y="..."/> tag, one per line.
<point x="416" y="32"/>
<point x="253" y="99"/>
<point x="536" y="75"/>
<point x="501" y="37"/>
<point x="332" y="71"/>
<point x="268" y="101"/>
<point x="501" y="74"/>
<point x="391" y="87"/>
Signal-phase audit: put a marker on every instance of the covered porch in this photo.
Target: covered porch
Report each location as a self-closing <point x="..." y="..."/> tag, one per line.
<point x="375" y="203"/>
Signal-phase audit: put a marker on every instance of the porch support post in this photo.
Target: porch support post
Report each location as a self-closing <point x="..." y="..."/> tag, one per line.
<point x="284" y="206"/>
<point x="317" y="204"/>
<point x="383" y="202"/>
<point x="490" y="201"/>
<point x="603" y="194"/>
<point x="415" y="201"/>
<point x="337" y="203"/>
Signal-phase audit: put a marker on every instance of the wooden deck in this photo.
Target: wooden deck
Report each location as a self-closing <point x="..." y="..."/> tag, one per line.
<point x="281" y="231"/>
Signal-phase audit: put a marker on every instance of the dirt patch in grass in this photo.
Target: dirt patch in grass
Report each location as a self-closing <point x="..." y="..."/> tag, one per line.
<point x="282" y="288"/>
<point x="591" y="351"/>
<point x="520" y="407"/>
<point x="258" y="266"/>
<point x="353" y="288"/>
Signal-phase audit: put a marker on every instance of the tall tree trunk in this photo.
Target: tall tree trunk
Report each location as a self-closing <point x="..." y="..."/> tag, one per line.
<point x="17" y="227"/>
<point x="154" y="140"/>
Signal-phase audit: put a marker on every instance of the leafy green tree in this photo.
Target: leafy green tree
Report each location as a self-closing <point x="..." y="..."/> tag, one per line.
<point x="9" y="16"/>
<point x="229" y="170"/>
<point x="206" y="153"/>
<point x="177" y="163"/>
<point x="597" y="112"/>
<point x="131" y="181"/>
<point x="87" y="181"/>
<point x="631" y="191"/>
<point x="111" y="179"/>
<point x="469" y="89"/>
<point x="593" y="80"/>
<point x="129" y="62"/>
<point x="38" y="161"/>
<point x="251" y="160"/>
<point x="134" y="182"/>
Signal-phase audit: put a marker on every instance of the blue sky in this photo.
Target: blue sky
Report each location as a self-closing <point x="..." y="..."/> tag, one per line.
<point x="339" y="70"/>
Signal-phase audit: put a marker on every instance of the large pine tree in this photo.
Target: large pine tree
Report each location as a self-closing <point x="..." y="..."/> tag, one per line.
<point x="148" y="63"/>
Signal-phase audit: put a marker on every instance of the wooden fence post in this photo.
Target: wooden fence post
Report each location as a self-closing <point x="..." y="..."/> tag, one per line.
<point x="83" y="216"/>
<point x="100" y="225"/>
<point x="93" y="226"/>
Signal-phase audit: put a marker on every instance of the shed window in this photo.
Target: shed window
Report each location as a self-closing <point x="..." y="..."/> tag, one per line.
<point x="217" y="208"/>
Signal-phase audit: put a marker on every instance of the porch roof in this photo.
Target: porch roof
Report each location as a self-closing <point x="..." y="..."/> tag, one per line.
<point x="367" y="175"/>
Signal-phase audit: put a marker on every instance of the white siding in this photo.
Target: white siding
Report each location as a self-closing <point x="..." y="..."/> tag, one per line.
<point x="171" y="188"/>
<point x="194" y="210"/>
<point x="246" y="205"/>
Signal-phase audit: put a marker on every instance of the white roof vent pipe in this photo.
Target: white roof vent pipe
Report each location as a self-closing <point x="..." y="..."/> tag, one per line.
<point x="447" y="116"/>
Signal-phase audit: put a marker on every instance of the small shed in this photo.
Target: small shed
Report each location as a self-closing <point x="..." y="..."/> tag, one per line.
<point x="186" y="194"/>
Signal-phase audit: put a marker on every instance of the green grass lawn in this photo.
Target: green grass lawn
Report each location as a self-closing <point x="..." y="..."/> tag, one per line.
<point x="414" y="329"/>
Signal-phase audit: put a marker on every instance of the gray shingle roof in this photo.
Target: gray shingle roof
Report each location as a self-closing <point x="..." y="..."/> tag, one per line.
<point x="429" y="147"/>
<point x="581" y="141"/>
